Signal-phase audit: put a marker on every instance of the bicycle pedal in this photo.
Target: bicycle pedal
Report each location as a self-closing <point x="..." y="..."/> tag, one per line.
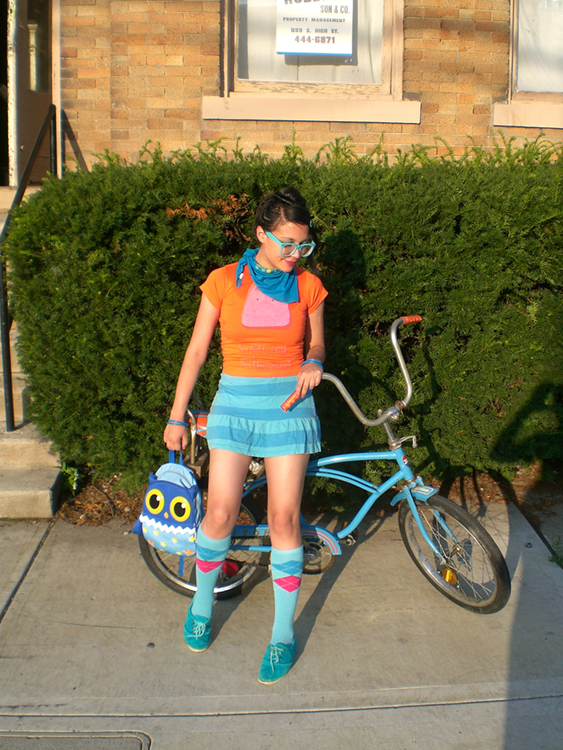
<point x="351" y="539"/>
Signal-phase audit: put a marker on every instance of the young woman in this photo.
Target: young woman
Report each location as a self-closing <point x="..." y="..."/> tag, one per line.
<point x="271" y="318"/>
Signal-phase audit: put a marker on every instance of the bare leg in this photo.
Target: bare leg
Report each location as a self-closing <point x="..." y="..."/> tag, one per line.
<point x="286" y="476"/>
<point x="227" y="474"/>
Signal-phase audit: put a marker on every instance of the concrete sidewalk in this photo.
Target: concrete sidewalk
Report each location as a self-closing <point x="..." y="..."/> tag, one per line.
<point x="91" y="643"/>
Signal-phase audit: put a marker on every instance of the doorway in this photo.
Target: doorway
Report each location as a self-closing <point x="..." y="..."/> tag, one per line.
<point x="4" y="165"/>
<point x="28" y="68"/>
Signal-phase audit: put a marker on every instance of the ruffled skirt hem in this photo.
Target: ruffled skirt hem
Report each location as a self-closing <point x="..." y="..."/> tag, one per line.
<point x="236" y="421"/>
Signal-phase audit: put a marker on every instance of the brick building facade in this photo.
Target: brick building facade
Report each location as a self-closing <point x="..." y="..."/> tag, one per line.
<point x="134" y="70"/>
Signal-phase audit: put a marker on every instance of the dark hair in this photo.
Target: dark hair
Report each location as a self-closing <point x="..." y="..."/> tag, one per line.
<point x="286" y="204"/>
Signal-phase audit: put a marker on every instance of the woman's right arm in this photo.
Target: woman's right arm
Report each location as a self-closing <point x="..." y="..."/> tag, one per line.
<point x="175" y="436"/>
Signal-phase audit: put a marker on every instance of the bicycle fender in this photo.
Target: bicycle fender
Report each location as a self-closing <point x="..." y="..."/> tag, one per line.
<point x="420" y="492"/>
<point x="324" y="536"/>
<point x="424" y="492"/>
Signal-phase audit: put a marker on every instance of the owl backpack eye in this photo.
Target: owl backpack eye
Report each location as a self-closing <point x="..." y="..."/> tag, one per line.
<point x="180" y="509"/>
<point x="154" y="501"/>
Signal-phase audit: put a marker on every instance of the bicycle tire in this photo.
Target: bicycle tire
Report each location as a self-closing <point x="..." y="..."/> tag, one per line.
<point x="242" y="570"/>
<point x="476" y="576"/>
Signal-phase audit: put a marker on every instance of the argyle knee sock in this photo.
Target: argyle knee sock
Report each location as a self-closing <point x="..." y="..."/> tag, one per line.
<point x="287" y="569"/>
<point x="210" y="555"/>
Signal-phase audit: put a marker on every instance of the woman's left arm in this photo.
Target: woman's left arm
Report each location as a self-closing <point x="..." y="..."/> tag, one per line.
<point x="311" y="374"/>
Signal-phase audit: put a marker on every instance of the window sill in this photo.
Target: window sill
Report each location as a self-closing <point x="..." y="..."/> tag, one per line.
<point x="528" y="114"/>
<point x="295" y="109"/>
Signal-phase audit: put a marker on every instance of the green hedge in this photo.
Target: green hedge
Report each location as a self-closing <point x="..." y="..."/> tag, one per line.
<point x="105" y="268"/>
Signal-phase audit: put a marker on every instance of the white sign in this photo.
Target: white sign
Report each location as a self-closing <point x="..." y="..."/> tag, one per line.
<point x="314" y="27"/>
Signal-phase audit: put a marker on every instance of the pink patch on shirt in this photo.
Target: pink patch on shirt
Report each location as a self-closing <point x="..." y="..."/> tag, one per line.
<point x="289" y="583"/>
<point x="261" y="311"/>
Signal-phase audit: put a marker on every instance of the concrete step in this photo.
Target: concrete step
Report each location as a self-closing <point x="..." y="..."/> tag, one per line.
<point x="30" y="477"/>
<point x="7" y="196"/>
<point x="13" y="353"/>
<point x="18" y="383"/>
<point x="26" y="448"/>
<point x="28" y="493"/>
<point x="19" y="399"/>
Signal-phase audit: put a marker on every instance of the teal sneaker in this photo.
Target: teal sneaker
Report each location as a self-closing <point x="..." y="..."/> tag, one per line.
<point x="277" y="662"/>
<point x="197" y="631"/>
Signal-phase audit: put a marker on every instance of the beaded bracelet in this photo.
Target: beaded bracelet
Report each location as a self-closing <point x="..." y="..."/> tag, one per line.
<point x="177" y="423"/>
<point x="313" y="362"/>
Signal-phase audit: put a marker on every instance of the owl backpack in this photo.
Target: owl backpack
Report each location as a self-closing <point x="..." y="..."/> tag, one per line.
<point x="172" y="509"/>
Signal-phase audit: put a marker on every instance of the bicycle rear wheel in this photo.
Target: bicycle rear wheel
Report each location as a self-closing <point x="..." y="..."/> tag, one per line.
<point x="241" y="570"/>
<point x="474" y="575"/>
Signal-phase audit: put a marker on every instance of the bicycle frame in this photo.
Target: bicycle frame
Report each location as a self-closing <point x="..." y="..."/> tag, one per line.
<point x="415" y="488"/>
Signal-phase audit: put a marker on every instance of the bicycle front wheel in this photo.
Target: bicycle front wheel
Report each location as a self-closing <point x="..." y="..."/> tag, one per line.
<point x="241" y="570"/>
<point x="473" y="573"/>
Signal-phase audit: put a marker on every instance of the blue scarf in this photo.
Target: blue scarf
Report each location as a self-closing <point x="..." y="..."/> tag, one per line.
<point x="278" y="285"/>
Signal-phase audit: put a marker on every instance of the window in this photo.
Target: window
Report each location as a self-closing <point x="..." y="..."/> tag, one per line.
<point x="539" y="46"/>
<point x="39" y="32"/>
<point x="271" y="35"/>
<point x="536" y="87"/>
<point x="314" y="53"/>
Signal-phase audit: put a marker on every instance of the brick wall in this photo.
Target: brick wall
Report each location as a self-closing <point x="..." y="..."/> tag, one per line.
<point x="134" y="71"/>
<point x="456" y="62"/>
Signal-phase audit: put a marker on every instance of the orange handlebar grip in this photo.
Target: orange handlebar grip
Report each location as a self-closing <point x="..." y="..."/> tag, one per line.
<point x="201" y="424"/>
<point x="288" y="403"/>
<point x="411" y="319"/>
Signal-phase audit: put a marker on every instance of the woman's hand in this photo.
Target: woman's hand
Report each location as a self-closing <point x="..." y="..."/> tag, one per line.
<point x="309" y="377"/>
<point x="176" y="437"/>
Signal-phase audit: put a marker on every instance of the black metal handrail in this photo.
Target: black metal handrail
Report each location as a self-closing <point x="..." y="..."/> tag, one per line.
<point x="5" y="318"/>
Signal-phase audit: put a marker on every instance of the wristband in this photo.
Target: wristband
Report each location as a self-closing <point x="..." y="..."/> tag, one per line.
<point x="313" y="362"/>
<point x="177" y="423"/>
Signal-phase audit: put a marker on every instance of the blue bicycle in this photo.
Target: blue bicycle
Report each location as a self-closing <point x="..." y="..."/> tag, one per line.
<point x="451" y="549"/>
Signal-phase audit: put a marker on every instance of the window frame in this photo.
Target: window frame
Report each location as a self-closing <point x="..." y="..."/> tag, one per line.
<point x="526" y="109"/>
<point x="364" y="102"/>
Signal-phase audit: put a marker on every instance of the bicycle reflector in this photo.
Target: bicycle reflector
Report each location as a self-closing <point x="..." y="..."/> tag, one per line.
<point x="450" y="576"/>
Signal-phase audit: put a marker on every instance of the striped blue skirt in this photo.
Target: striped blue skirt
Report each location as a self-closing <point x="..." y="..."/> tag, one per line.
<point x="246" y="417"/>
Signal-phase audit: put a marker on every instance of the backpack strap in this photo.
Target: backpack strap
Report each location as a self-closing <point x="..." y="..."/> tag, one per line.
<point x="172" y="457"/>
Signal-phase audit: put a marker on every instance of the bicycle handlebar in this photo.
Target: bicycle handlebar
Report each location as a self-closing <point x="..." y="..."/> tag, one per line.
<point x="399" y="405"/>
<point x="407" y="320"/>
<point x="358" y="413"/>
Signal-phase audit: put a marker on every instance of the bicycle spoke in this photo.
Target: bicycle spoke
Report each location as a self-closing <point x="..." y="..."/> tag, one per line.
<point x="467" y="568"/>
<point x="239" y="570"/>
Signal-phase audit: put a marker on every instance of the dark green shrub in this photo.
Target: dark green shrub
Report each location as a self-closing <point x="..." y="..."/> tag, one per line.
<point x="105" y="268"/>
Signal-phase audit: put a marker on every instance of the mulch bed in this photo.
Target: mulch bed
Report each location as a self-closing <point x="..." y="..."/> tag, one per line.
<point x="101" y="501"/>
<point x="535" y="497"/>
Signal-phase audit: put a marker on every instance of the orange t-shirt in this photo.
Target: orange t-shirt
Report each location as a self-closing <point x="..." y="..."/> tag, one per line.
<point x="261" y="337"/>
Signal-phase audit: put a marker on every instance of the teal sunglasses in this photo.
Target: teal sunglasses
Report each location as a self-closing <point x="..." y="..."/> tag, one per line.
<point x="287" y="249"/>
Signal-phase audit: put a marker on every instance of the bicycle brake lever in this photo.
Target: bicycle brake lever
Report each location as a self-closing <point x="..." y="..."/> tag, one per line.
<point x="400" y="441"/>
